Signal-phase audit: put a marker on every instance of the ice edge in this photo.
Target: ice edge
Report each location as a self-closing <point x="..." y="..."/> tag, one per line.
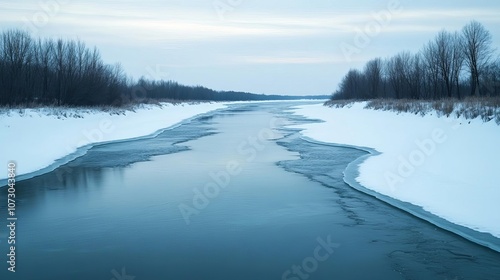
<point x="81" y="151"/>
<point x="352" y="172"/>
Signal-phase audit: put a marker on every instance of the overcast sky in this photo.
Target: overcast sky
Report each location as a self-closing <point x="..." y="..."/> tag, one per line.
<point x="263" y="46"/>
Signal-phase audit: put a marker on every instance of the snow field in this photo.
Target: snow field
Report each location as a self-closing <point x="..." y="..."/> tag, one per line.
<point x="448" y="166"/>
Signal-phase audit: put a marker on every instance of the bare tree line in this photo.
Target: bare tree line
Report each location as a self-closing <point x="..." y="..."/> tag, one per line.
<point x="59" y="72"/>
<point x="452" y="65"/>
<point x="55" y="72"/>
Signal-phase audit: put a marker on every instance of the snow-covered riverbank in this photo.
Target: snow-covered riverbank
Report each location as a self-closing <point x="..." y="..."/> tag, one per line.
<point x="36" y="138"/>
<point x="448" y="166"/>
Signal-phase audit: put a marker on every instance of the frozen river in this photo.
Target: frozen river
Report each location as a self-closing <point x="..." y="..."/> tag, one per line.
<point x="230" y="195"/>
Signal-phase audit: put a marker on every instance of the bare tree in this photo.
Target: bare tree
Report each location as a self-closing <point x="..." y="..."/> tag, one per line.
<point x="395" y="68"/>
<point x="373" y="74"/>
<point x="431" y="70"/>
<point x="352" y="83"/>
<point x="444" y="52"/>
<point x="413" y="74"/>
<point x="449" y="58"/>
<point x="16" y="53"/>
<point x="60" y="69"/>
<point x="457" y="60"/>
<point x="46" y="50"/>
<point x="478" y="52"/>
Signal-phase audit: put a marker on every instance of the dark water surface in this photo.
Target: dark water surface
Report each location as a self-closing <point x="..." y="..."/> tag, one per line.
<point x="232" y="195"/>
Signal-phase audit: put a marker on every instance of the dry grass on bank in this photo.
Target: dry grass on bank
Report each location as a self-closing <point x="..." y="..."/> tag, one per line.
<point x="486" y="108"/>
<point x="80" y="111"/>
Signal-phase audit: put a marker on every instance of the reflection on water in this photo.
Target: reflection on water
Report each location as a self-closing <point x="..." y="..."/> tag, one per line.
<point x="116" y="210"/>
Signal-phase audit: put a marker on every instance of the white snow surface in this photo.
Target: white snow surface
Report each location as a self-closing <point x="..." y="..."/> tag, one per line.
<point x="449" y="166"/>
<point x="35" y="138"/>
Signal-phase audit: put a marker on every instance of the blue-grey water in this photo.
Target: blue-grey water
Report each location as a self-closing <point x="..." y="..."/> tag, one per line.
<point x="230" y="195"/>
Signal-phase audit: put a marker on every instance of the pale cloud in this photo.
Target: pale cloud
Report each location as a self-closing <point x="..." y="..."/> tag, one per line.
<point x="181" y="30"/>
<point x="291" y="59"/>
<point x="296" y="37"/>
<point x="466" y="14"/>
<point x="181" y="24"/>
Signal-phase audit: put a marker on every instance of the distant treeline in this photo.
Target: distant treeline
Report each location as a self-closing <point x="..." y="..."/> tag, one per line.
<point x="171" y="90"/>
<point x="67" y="72"/>
<point x="453" y="65"/>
